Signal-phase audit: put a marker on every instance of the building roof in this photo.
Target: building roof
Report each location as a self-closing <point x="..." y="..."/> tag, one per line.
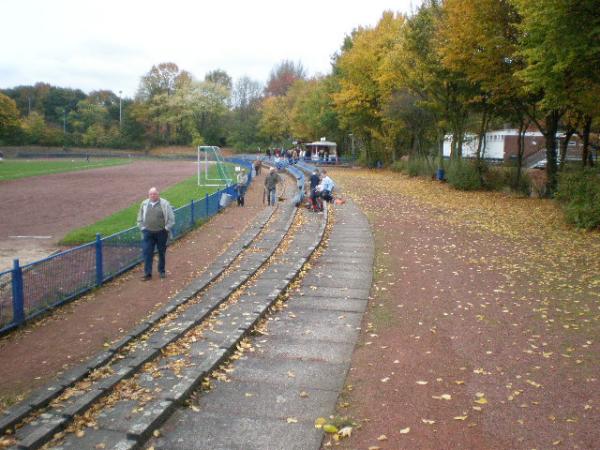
<point x="322" y="144"/>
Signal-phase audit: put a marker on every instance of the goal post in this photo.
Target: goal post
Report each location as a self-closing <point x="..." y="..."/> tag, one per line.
<point x="221" y="178"/>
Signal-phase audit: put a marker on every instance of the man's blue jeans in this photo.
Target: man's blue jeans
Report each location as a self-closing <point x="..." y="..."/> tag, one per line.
<point x="271" y="197"/>
<point x="158" y="240"/>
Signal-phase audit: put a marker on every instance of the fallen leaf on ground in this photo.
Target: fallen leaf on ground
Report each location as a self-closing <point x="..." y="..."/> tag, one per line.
<point x="320" y="421"/>
<point x="329" y="428"/>
<point x="345" y="432"/>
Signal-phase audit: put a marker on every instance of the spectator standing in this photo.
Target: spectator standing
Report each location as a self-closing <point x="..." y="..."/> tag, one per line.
<point x="271" y="182"/>
<point x="156" y="220"/>
<point x="257" y="166"/>
<point x="242" y="182"/>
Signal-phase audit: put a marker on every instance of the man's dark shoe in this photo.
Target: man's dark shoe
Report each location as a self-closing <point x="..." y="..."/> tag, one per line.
<point x="163" y="275"/>
<point x="146" y="277"/>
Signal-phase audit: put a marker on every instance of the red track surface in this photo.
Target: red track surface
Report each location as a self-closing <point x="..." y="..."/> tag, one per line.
<point x="52" y="205"/>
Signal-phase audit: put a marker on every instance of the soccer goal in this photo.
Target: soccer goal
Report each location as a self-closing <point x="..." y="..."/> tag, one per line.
<point x="212" y="157"/>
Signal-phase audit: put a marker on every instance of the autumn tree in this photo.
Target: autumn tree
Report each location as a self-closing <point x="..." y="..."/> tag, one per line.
<point x="210" y="107"/>
<point x="155" y="92"/>
<point x="219" y="77"/>
<point x="363" y="78"/>
<point x="245" y="114"/>
<point x="559" y="46"/>
<point x="445" y="92"/>
<point x="160" y="79"/>
<point x="312" y="114"/>
<point x="9" y="119"/>
<point x="480" y="40"/>
<point x="274" y="124"/>
<point x="283" y="76"/>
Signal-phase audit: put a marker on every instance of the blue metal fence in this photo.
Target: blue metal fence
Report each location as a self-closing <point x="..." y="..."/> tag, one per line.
<point x="29" y="290"/>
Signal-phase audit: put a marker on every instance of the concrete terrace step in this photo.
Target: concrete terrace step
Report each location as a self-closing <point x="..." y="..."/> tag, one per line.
<point x="297" y="370"/>
<point x="41" y="427"/>
<point x="168" y="387"/>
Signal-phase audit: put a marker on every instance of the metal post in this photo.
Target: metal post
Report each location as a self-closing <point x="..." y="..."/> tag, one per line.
<point x="17" y="291"/>
<point x="206" y="203"/>
<point x="99" y="261"/>
<point x="192" y="214"/>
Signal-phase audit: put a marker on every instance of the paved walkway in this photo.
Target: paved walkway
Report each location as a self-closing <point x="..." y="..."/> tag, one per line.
<point x="296" y="372"/>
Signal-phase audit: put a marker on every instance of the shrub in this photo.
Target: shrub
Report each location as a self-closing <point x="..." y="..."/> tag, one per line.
<point x="497" y="178"/>
<point x="419" y="167"/>
<point x="463" y="175"/>
<point x="579" y="193"/>
<point x="501" y="178"/>
<point x="399" y="166"/>
<point x="524" y="185"/>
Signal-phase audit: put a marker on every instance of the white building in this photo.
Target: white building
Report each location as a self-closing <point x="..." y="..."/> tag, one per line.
<point x="499" y="144"/>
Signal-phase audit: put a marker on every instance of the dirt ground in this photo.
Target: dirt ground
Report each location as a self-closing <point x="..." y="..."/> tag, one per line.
<point x="32" y="356"/>
<point x="38" y="211"/>
<point x="477" y="336"/>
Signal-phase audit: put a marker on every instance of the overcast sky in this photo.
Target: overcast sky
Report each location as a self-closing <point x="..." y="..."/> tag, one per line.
<point x="110" y="44"/>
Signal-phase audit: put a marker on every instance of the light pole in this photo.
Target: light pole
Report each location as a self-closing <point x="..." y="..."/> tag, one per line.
<point x="64" y="128"/>
<point x="120" y="110"/>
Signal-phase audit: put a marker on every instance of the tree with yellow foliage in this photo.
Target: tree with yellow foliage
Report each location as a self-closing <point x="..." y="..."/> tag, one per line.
<point x="360" y="72"/>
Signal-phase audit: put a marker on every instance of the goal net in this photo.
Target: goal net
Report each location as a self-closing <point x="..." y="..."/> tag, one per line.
<point x="209" y="156"/>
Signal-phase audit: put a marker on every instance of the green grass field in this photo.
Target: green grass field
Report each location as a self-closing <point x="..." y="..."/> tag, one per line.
<point x="13" y="169"/>
<point x="178" y="195"/>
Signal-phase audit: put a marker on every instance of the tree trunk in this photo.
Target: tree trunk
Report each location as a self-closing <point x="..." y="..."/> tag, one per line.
<point x="481" y="137"/>
<point x="413" y="144"/>
<point x="441" y="149"/>
<point x="564" y="145"/>
<point x="521" y="150"/>
<point x="586" y="155"/>
<point x="551" y="119"/>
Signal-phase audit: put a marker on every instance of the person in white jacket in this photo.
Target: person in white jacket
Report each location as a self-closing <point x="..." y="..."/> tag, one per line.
<point x="156" y="220"/>
<point x="242" y="181"/>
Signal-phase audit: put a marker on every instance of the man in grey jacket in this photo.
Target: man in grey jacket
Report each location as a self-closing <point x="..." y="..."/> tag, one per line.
<point x="271" y="182"/>
<point x="156" y="220"/>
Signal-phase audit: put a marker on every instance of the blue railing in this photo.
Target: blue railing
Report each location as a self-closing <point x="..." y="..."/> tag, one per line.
<point x="30" y="290"/>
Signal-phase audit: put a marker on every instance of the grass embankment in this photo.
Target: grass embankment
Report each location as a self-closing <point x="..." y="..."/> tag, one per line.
<point x="178" y="195"/>
<point x="15" y="169"/>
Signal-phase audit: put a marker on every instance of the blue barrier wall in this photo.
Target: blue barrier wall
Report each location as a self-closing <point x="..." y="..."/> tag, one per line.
<point x="29" y="290"/>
